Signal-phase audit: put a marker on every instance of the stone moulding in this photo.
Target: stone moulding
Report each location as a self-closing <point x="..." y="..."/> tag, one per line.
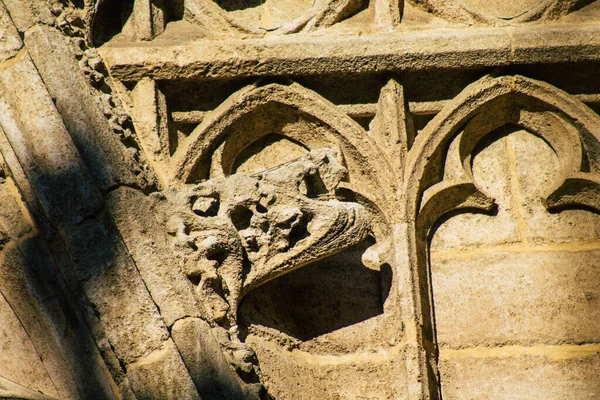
<point x="567" y="143"/>
<point x="409" y="51"/>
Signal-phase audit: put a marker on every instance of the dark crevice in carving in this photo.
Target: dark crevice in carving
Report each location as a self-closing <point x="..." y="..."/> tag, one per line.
<point x="300" y="230"/>
<point x="591" y="161"/>
<point x="261" y="209"/>
<point x="435" y="173"/>
<point x="386" y="281"/>
<point x="193" y="246"/>
<point x="219" y="287"/>
<point x="234" y="5"/>
<point x="217" y="255"/>
<point x="571" y="207"/>
<point x="241" y="217"/>
<point x="110" y="19"/>
<point x="195" y="278"/>
<point x="176" y="10"/>
<point x="579" y="79"/>
<point x="246" y="265"/>
<point x="364" y="122"/>
<point x="200" y="94"/>
<point x="345" y="89"/>
<point x="205" y="206"/>
<point x="421" y="121"/>
<point x="585" y="161"/>
<point x="315" y="186"/>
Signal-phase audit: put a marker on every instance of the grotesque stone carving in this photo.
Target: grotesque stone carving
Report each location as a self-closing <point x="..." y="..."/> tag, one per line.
<point x="239" y="232"/>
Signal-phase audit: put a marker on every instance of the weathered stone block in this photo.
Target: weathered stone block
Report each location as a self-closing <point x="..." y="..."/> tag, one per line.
<point x="40" y="140"/>
<point x="152" y="253"/>
<point x="26" y="13"/>
<point x="162" y="375"/>
<point x="213" y="376"/>
<point x="524" y="297"/>
<point x="10" y="42"/>
<point x="300" y="375"/>
<point x="115" y="289"/>
<point x="81" y="112"/>
<point x="536" y="172"/>
<point x="19" y="360"/>
<point x="522" y="378"/>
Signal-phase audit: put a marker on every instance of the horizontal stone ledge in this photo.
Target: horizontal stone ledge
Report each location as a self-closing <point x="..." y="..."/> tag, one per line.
<point x="554" y="353"/>
<point x="353" y="110"/>
<point x="368" y="110"/>
<point x="400" y="51"/>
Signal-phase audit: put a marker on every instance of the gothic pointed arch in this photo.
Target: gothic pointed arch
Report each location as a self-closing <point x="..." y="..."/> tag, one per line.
<point x="297" y="115"/>
<point x="439" y="178"/>
<point x="566" y="124"/>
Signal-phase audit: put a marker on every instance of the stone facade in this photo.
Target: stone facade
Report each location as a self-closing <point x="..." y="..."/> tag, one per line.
<point x="310" y="199"/>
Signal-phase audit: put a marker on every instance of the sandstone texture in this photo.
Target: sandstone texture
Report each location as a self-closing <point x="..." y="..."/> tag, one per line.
<point x="299" y="200"/>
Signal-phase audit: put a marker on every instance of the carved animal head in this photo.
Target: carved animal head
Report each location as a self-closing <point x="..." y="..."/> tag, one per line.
<point x="242" y="231"/>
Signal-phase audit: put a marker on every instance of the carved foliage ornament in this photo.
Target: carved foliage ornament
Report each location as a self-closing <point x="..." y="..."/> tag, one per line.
<point x="277" y="16"/>
<point x="246" y="230"/>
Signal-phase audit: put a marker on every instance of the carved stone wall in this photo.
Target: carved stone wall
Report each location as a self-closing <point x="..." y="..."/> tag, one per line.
<point x="277" y="199"/>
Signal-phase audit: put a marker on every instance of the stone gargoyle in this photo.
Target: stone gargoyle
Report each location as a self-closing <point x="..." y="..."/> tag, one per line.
<point x="236" y="233"/>
<point x="241" y="231"/>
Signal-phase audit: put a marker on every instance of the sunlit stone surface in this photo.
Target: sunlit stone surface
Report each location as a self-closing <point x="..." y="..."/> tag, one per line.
<point x="292" y="200"/>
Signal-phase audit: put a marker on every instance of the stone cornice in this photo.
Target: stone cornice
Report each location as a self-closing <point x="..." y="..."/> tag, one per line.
<point x="399" y="51"/>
